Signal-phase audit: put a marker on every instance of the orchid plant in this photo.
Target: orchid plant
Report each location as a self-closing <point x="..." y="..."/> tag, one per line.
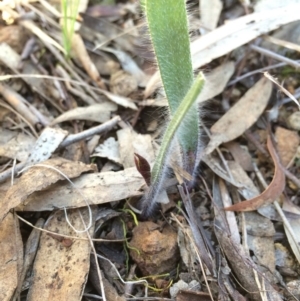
<point x="168" y="28"/>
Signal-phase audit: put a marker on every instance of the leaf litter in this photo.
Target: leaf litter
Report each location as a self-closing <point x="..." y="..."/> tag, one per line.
<point x="53" y="107"/>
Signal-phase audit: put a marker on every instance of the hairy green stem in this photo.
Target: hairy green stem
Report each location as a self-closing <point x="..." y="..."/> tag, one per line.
<point x="173" y="126"/>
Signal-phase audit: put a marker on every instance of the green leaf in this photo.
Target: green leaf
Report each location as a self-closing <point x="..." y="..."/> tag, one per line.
<point x="168" y="28"/>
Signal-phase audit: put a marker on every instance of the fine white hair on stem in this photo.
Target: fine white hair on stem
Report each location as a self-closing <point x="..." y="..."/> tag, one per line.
<point x="149" y="201"/>
<point x="77" y="189"/>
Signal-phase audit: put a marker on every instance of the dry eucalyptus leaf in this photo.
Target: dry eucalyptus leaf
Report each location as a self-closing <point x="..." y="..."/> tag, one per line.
<point x="242" y="115"/>
<point x="232" y="35"/>
<point x="260" y="233"/>
<point x="216" y="81"/>
<point x="272" y="192"/>
<point x="240" y="155"/>
<point x="295" y="226"/>
<point x="266" y="5"/>
<point x="130" y="143"/>
<point x="15" y="145"/>
<point x="240" y="262"/>
<point x="287" y="144"/>
<point x="248" y="190"/>
<point x="11" y="256"/>
<point x="108" y="149"/>
<point x="99" y="112"/>
<point x="130" y="66"/>
<point x="92" y="188"/>
<point x="46" y="145"/>
<point x="31" y="248"/>
<point x="215" y="165"/>
<point x="78" y="48"/>
<point x="8" y="56"/>
<point x="38" y="178"/>
<point x="236" y="33"/>
<point x="61" y="266"/>
<point x="210" y="13"/>
<point x="120" y="100"/>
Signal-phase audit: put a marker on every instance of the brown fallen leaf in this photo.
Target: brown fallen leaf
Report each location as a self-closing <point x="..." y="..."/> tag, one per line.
<point x="292" y="224"/>
<point x="97" y="188"/>
<point x="242" y="115"/>
<point x="38" y="178"/>
<point x="272" y="192"/>
<point x="240" y="155"/>
<point x="81" y="53"/>
<point x="244" y="267"/>
<point x="99" y="112"/>
<point x="61" y="266"/>
<point x="11" y="256"/>
<point x="287" y="144"/>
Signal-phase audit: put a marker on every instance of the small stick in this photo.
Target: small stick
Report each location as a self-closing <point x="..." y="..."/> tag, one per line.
<point x="69" y="140"/>
<point x="90" y="132"/>
<point x="275" y="56"/>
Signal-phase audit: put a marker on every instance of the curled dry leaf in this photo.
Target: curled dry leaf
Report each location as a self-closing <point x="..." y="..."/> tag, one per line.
<point x="272" y="192"/>
<point x="242" y="115"/>
<point x="143" y="167"/>
<point x="38" y="178"/>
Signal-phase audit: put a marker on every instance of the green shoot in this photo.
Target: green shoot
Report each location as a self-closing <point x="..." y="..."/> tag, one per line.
<point x="69" y="9"/>
<point x="168" y="27"/>
<point x="174" y="124"/>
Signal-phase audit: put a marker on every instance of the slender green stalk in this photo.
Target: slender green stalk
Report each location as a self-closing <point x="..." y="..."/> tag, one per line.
<point x="173" y="126"/>
<point x="168" y="28"/>
<point x="69" y="9"/>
